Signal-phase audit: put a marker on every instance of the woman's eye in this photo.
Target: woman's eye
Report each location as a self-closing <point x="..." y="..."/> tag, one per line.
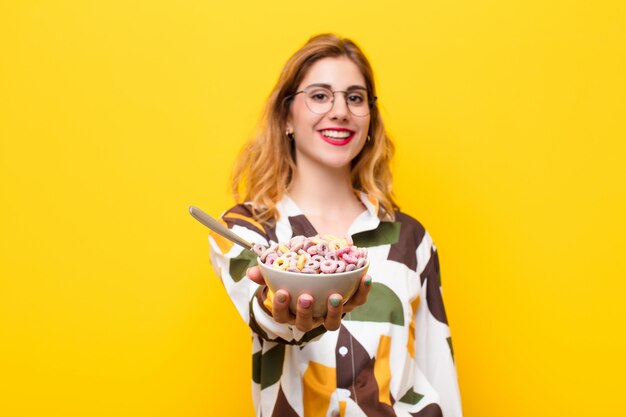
<point x="355" y="99"/>
<point x="319" y="96"/>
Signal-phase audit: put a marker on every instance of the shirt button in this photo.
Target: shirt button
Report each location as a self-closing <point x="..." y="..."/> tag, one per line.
<point x="343" y="351"/>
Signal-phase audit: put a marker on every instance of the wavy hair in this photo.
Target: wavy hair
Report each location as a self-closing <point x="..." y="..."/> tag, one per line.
<point x="265" y="166"/>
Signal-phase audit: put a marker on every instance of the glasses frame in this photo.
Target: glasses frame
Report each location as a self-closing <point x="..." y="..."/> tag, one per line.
<point x="370" y="103"/>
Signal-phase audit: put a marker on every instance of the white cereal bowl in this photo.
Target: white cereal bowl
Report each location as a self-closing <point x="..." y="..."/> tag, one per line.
<point x="320" y="287"/>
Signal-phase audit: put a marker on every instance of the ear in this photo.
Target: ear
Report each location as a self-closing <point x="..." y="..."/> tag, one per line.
<point x="289" y="125"/>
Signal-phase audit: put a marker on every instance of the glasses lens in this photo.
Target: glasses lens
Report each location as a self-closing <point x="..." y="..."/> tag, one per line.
<point x="320" y="100"/>
<point x="357" y="102"/>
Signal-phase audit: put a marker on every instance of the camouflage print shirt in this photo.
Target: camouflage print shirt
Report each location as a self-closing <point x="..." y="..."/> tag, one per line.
<point x="391" y="356"/>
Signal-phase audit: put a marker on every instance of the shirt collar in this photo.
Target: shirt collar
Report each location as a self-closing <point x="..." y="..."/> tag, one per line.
<point x="368" y="220"/>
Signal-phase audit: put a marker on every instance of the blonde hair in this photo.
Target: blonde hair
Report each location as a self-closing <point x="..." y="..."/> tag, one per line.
<point x="262" y="169"/>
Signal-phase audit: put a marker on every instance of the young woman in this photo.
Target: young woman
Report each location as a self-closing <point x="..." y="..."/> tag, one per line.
<point x="320" y="165"/>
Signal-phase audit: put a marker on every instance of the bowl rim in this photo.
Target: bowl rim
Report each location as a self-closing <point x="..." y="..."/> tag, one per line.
<point x="302" y="274"/>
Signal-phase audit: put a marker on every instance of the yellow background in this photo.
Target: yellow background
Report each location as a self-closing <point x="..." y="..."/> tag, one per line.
<point x="509" y="118"/>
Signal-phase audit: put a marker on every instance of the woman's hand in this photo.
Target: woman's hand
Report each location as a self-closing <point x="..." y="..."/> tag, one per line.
<point x="303" y="319"/>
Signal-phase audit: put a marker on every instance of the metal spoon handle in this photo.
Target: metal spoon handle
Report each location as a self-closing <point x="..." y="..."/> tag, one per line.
<point x="217" y="227"/>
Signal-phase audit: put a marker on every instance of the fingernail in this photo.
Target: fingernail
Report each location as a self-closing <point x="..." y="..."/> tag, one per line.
<point x="368" y="281"/>
<point x="335" y="300"/>
<point x="281" y="297"/>
<point x="305" y="302"/>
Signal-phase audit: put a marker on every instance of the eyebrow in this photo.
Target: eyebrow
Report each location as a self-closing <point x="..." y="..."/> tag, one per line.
<point x="352" y="87"/>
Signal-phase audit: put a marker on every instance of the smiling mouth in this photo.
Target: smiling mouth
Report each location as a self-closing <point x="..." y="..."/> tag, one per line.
<point x="337" y="137"/>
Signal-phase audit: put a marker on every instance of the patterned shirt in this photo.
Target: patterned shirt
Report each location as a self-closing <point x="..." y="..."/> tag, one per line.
<point x="392" y="356"/>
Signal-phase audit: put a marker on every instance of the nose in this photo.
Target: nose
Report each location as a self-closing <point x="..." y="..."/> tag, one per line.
<point x="340" y="106"/>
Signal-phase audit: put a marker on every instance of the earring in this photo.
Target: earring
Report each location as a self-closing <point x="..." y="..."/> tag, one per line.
<point x="368" y="138"/>
<point x="289" y="135"/>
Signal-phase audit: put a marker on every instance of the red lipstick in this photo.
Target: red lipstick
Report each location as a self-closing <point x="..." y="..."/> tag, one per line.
<point x="337" y="136"/>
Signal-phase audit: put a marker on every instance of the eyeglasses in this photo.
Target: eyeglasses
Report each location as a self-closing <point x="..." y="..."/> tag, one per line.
<point x="320" y="100"/>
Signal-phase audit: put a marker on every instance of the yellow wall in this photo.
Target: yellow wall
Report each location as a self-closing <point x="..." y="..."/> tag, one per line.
<point x="509" y="117"/>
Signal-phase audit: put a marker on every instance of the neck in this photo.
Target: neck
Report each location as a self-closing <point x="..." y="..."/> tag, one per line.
<point x="322" y="191"/>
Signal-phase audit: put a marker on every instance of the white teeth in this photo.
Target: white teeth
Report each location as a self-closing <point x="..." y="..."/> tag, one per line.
<point x="337" y="134"/>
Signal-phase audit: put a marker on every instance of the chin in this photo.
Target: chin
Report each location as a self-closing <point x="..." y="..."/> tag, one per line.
<point x="334" y="158"/>
<point x="337" y="163"/>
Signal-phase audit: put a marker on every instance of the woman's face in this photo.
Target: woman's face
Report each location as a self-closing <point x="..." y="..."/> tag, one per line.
<point x="334" y="138"/>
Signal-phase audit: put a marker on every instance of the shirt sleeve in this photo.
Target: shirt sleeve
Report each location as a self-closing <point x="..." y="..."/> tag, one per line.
<point x="434" y="358"/>
<point x="252" y="301"/>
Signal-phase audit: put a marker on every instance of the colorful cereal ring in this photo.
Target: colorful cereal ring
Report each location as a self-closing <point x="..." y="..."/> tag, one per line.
<point x="269" y="260"/>
<point x="281" y="263"/>
<point x="322" y="249"/>
<point x="328" y="266"/>
<point x="349" y="258"/>
<point x="332" y="256"/>
<point x="301" y="261"/>
<point x="312" y="264"/>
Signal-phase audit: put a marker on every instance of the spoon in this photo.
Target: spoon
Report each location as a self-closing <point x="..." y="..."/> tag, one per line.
<point x="218" y="228"/>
